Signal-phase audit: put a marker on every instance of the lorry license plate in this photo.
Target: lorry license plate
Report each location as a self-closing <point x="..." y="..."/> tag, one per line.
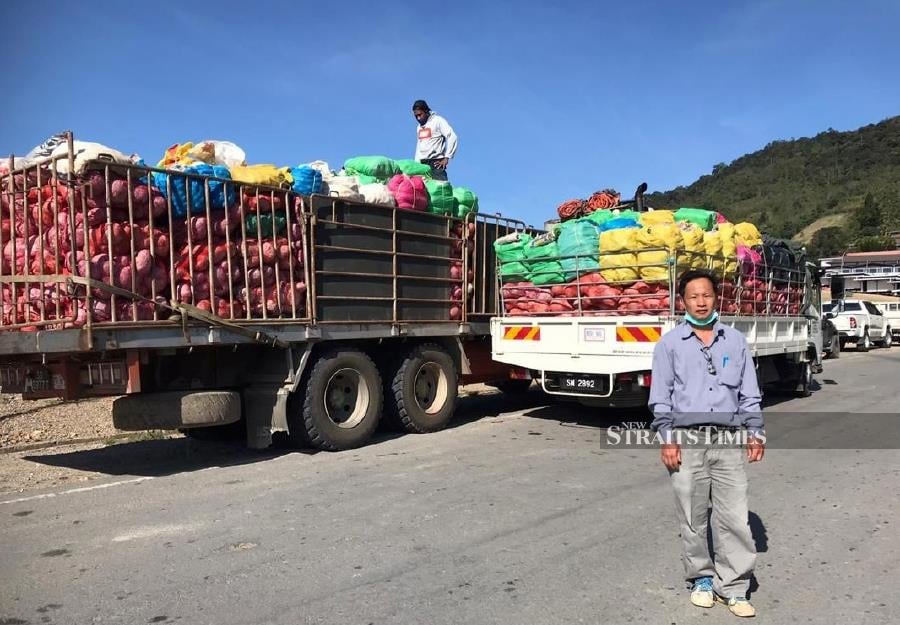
<point x="571" y="382"/>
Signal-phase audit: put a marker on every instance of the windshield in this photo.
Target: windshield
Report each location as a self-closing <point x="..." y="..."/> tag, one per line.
<point x="827" y="307"/>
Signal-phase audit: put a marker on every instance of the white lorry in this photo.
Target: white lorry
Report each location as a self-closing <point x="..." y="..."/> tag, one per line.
<point x="604" y="358"/>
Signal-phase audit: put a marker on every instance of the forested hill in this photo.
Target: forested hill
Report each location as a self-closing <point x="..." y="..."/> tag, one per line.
<point x="788" y="185"/>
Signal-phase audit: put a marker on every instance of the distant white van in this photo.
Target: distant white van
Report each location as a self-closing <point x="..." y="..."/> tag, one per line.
<point x="891" y="312"/>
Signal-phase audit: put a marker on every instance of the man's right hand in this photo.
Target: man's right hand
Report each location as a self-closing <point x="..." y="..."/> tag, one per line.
<point x="671" y="455"/>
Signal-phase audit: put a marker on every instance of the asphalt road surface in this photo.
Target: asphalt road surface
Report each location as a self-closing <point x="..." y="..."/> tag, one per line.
<point x="519" y="514"/>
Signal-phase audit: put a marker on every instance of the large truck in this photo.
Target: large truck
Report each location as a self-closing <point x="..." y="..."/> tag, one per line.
<point x="603" y="357"/>
<point x="212" y="305"/>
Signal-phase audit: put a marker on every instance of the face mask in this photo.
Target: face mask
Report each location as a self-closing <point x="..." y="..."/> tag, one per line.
<point x="702" y="322"/>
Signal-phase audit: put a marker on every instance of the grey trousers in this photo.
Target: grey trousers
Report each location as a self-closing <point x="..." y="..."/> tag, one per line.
<point x="719" y="472"/>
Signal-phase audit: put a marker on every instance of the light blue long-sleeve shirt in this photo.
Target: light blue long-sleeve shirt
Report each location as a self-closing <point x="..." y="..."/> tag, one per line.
<point x="684" y="393"/>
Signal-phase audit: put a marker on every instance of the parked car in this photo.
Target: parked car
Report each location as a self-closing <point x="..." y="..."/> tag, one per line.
<point x="859" y="322"/>
<point x="891" y="312"/>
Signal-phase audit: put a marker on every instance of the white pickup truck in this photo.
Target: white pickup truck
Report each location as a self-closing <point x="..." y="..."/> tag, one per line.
<point x="859" y="322"/>
<point x="891" y="312"/>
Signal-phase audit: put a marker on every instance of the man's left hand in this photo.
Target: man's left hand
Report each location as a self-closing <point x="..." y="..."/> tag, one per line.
<point x="755" y="449"/>
<point x="441" y="163"/>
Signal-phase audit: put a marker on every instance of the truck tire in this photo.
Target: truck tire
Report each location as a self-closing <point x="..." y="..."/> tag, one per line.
<point x="835" y="351"/>
<point x="805" y="378"/>
<point x="864" y="344"/>
<point x="423" y="390"/>
<point x="176" y="410"/>
<point x="887" y="340"/>
<point x="342" y="402"/>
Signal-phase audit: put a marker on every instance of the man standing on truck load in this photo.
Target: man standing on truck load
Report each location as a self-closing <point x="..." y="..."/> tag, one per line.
<point x="436" y="142"/>
<point x="704" y="390"/>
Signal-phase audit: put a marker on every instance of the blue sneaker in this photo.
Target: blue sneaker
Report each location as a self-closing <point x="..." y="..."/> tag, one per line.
<point x="702" y="592"/>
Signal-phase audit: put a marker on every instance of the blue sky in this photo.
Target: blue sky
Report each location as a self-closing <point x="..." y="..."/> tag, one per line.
<point x="550" y="102"/>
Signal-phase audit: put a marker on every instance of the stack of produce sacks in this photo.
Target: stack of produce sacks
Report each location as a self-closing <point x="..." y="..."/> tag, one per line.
<point x="274" y="254"/>
<point x="208" y="274"/>
<point x="128" y="254"/>
<point x="557" y="273"/>
<point x="463" y="254"/>
<point x="370" y="175"/>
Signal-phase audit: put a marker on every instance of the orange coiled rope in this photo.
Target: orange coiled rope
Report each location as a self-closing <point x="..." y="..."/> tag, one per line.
<point x="570" y="209"/>
<point x="607" y="198"/>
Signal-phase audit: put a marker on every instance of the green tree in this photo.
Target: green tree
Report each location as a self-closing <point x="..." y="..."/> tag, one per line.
<point x="876" y="243"/>
<point x="828" y="242"/>
<point x="866" y="220"/>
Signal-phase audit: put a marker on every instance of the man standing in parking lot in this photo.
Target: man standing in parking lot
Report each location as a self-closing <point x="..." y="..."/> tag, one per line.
<point x="704" y="387"/>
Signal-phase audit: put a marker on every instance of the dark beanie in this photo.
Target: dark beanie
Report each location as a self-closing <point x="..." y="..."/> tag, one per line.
<point x="420" y="105"/>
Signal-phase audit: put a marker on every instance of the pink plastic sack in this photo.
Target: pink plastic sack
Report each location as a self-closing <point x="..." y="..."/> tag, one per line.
<point x="749" y="259"/>
<point x="409" y="191"/>
<point x="721" y="219"/>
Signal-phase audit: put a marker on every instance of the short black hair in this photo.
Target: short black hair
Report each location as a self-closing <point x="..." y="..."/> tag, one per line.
<point x="421" y="105"/>
<point x="696" y="274"/>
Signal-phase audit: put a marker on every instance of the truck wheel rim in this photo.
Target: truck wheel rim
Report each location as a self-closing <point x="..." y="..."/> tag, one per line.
<point x="431" y="388"/>
<point x="346" y="398"/>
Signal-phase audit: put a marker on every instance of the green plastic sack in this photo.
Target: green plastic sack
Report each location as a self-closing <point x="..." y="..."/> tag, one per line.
<point x="440" y="197"/>
<point x="580" y="240"/>
<point x="699" y="216"/>
<point x="542" y="260"/>
<point x="412" y="167"/>
<point x="600" y="217"/>
<point x="380" y="167"/>
<point x="510" y="252"/>
<point x="265" y="225"/>
<point x="466" y="201"/>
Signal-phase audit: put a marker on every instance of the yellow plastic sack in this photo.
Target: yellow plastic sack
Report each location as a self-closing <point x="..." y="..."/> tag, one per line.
<point x="268" y="175"/>
<point x="729" y="247"/>
<point x="747" y="234"/>
<point x="712" y="243"/>
<point x="176" y="155"/>
<point x="618" y="267"/>
<point x="654" y="264"/>
<point x="654" y="218"/>
<point x="694" y="256"/>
